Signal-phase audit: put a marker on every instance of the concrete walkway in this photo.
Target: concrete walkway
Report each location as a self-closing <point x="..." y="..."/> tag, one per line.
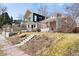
<point x="24" y="41"/>
<point x="9" y="49"/>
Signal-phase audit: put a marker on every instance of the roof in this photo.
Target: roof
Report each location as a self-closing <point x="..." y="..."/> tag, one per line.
<point x="27" y="14"/>
<point x="54" y="18"/>
<point x="49" y="19"/>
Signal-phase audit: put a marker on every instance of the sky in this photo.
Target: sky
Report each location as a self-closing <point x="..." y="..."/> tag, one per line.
<point x="18" y="9"/>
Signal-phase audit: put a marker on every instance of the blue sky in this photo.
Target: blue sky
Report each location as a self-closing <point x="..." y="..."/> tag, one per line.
<point x="17" y="9"/>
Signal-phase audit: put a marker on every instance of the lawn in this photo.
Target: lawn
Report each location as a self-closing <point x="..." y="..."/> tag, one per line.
<point x="68" y="44"/>
<point x="54" y="44"/>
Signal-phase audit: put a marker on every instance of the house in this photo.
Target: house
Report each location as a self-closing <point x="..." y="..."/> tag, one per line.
<point x="58" y="24"/>
<point x="32" y="20"/>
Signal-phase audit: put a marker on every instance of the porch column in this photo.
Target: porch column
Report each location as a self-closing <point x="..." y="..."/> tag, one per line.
<point x="36" y="25"/>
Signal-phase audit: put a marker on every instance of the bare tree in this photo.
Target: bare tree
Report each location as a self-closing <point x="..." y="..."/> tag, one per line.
<point x="42" y="10"/>
<point x="3" y="9"/>
<point x="73" y="10"/>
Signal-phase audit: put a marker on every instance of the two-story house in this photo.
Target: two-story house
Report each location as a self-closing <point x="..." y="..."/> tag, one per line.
<point x="32" y="21"/>
<point x="56" y="23"/>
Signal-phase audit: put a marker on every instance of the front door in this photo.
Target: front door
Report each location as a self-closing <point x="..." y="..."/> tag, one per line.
<point x="52" y="25"/>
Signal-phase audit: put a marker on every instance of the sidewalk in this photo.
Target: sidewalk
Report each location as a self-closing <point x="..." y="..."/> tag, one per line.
<point x="9" y="50"/>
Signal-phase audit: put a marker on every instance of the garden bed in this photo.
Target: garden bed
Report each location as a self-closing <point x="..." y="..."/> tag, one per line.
<point x="16" y="39"/>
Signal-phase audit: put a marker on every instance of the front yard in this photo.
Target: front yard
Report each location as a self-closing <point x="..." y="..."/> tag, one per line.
<point x="49" y="43"/>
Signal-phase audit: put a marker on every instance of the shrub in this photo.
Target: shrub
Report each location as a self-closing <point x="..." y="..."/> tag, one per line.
<point x="38" y="30"/>
<point x="11" y="34"/>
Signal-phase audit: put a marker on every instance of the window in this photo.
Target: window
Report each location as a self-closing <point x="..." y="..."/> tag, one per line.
<point x="35" y="18"/>
<point x="30" y="19"/>
<point x="40" y="17"/>
<point x="31" y="26"/>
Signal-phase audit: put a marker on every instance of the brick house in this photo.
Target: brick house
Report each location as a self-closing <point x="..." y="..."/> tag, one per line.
<point x="58" y="24"/>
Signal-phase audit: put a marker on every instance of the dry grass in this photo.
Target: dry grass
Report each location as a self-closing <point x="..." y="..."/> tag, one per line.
<point x="67" y="44"/>
<point x="2" y="53"/>
<point x="36" y="44"/>
<point x="55" y="44"/>
<point x="17" y="38"/>
<point x="61" y="44"/>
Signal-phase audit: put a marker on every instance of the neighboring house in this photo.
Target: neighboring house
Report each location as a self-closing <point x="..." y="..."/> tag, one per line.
<point x="32" y="20"/>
